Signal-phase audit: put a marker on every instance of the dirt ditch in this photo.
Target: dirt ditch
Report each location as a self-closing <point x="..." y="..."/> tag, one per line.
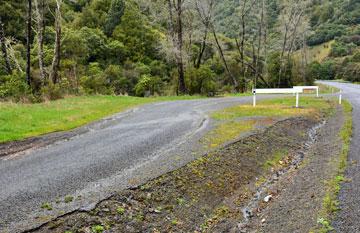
<point x="206" y="195"/>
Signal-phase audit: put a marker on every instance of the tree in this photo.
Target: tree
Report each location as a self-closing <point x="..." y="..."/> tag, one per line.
<point x="175" y="10"/>
<point x="39" y="11"/>
<point x="28" y="43"/>
<point x="4" y="49"/>
<point x="204" y="9"/>
<point x="116" y="11"/>
<point x="55" y="67"/>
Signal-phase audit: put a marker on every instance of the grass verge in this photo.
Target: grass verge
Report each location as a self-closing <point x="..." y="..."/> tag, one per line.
<point x="235" y="121"/>
<point x="326" y="89"/>
<point x="19" y="121"/>
<point x="330" y="201"/>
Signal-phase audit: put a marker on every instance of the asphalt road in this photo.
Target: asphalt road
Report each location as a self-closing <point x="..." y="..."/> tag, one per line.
<point x="122" y="151"/>
<point x="348" y="218"/>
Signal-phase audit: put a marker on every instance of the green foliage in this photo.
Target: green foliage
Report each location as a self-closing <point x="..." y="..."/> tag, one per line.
<point x="46" y="206"/>
<point x="326" y="32"/>
<point x="323" y="71"/>
<point x="97" y="229"/>
<point x="340" y="49"/>
<point x="13" y="87"/>
<point x="95" y="82"/>
<point x="274" y="64"/>
<point x="147" y="85"/>
<point x="351" y="72"/>
<point x="116" y="11"/>
<point x="201" y="81"/>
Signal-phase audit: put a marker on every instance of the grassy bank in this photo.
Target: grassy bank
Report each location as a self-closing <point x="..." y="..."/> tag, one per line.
<point x="235" y="121"/>
<point x="19" y="121"/>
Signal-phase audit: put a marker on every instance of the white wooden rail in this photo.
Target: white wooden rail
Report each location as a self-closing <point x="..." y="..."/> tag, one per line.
<point x="277" y="91"/>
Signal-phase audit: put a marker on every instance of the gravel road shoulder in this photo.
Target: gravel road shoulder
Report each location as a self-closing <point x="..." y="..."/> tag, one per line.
<point x="298" y="197"/>
<point x="205" y="195"/>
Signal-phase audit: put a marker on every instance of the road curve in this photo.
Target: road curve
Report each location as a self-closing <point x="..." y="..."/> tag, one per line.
<point x="348" y="218"/>
<point x="122" y="151"/>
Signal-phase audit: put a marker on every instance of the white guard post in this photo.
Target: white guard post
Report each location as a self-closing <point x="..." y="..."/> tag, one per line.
<point x="277" y="91"/>
<point x="303" y="88"/>
<point x="340" y="97"/>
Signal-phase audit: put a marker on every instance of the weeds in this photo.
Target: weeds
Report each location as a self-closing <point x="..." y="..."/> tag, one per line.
<point x="330" y="202"/>
<point x="46" y="206"/>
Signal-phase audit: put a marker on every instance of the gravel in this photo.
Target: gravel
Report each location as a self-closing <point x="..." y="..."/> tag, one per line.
<point x="122" y="151"/>
<point x="348" y="218"/>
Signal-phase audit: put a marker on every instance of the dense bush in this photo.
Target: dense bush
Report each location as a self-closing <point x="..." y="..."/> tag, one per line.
<point x="274" y="65"/>
<point x="326" y="32"/>
<point x="13" y="87"/>
<point x="340" y="49"/>
<point x="201" y="81"/>
<point x="324" y="71"/>
<point x="148" y="85"/>
<point x="351" y="72"/>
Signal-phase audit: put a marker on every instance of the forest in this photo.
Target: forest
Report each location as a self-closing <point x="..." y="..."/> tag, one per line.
<point x="56" y="48"/>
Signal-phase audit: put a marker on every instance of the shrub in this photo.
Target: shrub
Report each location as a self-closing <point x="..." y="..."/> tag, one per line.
<point x="200" y="81"/>
<point x="339" y="49"/>
<point x="324" y="33"/>
<point x="352" y="72"/>
<point x="324" y="71"/>
<point x="13" y="86"/>
<point x="95" y="82"/>
<point x="148" y="85"/>
<point x="52" y="92"/>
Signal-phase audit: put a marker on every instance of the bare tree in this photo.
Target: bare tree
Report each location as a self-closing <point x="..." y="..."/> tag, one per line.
<point x="175" y="8"/>
<point x="39" y="12"/>
<point x="55" y="67"/>
<point x="244" y="10"/>
<point x="204" y="9"/>
<point x="3" y="48"/>
<point x="292" y="16"/>
<point x="28" y="43"/>
<point x="222" y="56"/>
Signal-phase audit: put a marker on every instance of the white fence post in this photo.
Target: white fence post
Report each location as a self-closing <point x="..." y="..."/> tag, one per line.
<point x="317" y="92"/>
<point x="340" y="98"/>
<point x="254" y="98"/>
<point x="297" y="99"/>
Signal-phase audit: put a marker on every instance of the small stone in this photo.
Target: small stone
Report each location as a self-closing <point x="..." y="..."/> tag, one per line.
<point x="106" y="210"/>
<point x="267" y="198"/>
<point x="263" y="220"/>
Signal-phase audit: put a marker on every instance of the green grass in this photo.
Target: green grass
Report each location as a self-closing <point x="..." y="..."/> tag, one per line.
<point x="19" y="121"/>
<point x="241" y="119"/>
<point x="226" y="132"/>
<point x="326" y="89"/>
<point x="276" y="108"/>
<point x="316" y="53"/>
<point x="274" y="161"/>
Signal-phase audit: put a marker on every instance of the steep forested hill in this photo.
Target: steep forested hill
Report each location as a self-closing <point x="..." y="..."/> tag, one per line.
<point x="162" y="47"/>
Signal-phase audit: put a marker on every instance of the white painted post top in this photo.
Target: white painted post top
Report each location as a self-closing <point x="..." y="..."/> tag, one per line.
<point x="277" y="91"/>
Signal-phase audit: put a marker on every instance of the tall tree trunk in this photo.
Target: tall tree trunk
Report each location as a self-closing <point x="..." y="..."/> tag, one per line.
<point x="202" y="49"/>
<point x="28" y="44"/>
<point x="55" y="67"/>
<point x="39" y="9"/>
<point x="233" y="79"/>
<point x="180" y="63"/>
<point x="3" y="48"/>
<point x="260" y="32"/>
